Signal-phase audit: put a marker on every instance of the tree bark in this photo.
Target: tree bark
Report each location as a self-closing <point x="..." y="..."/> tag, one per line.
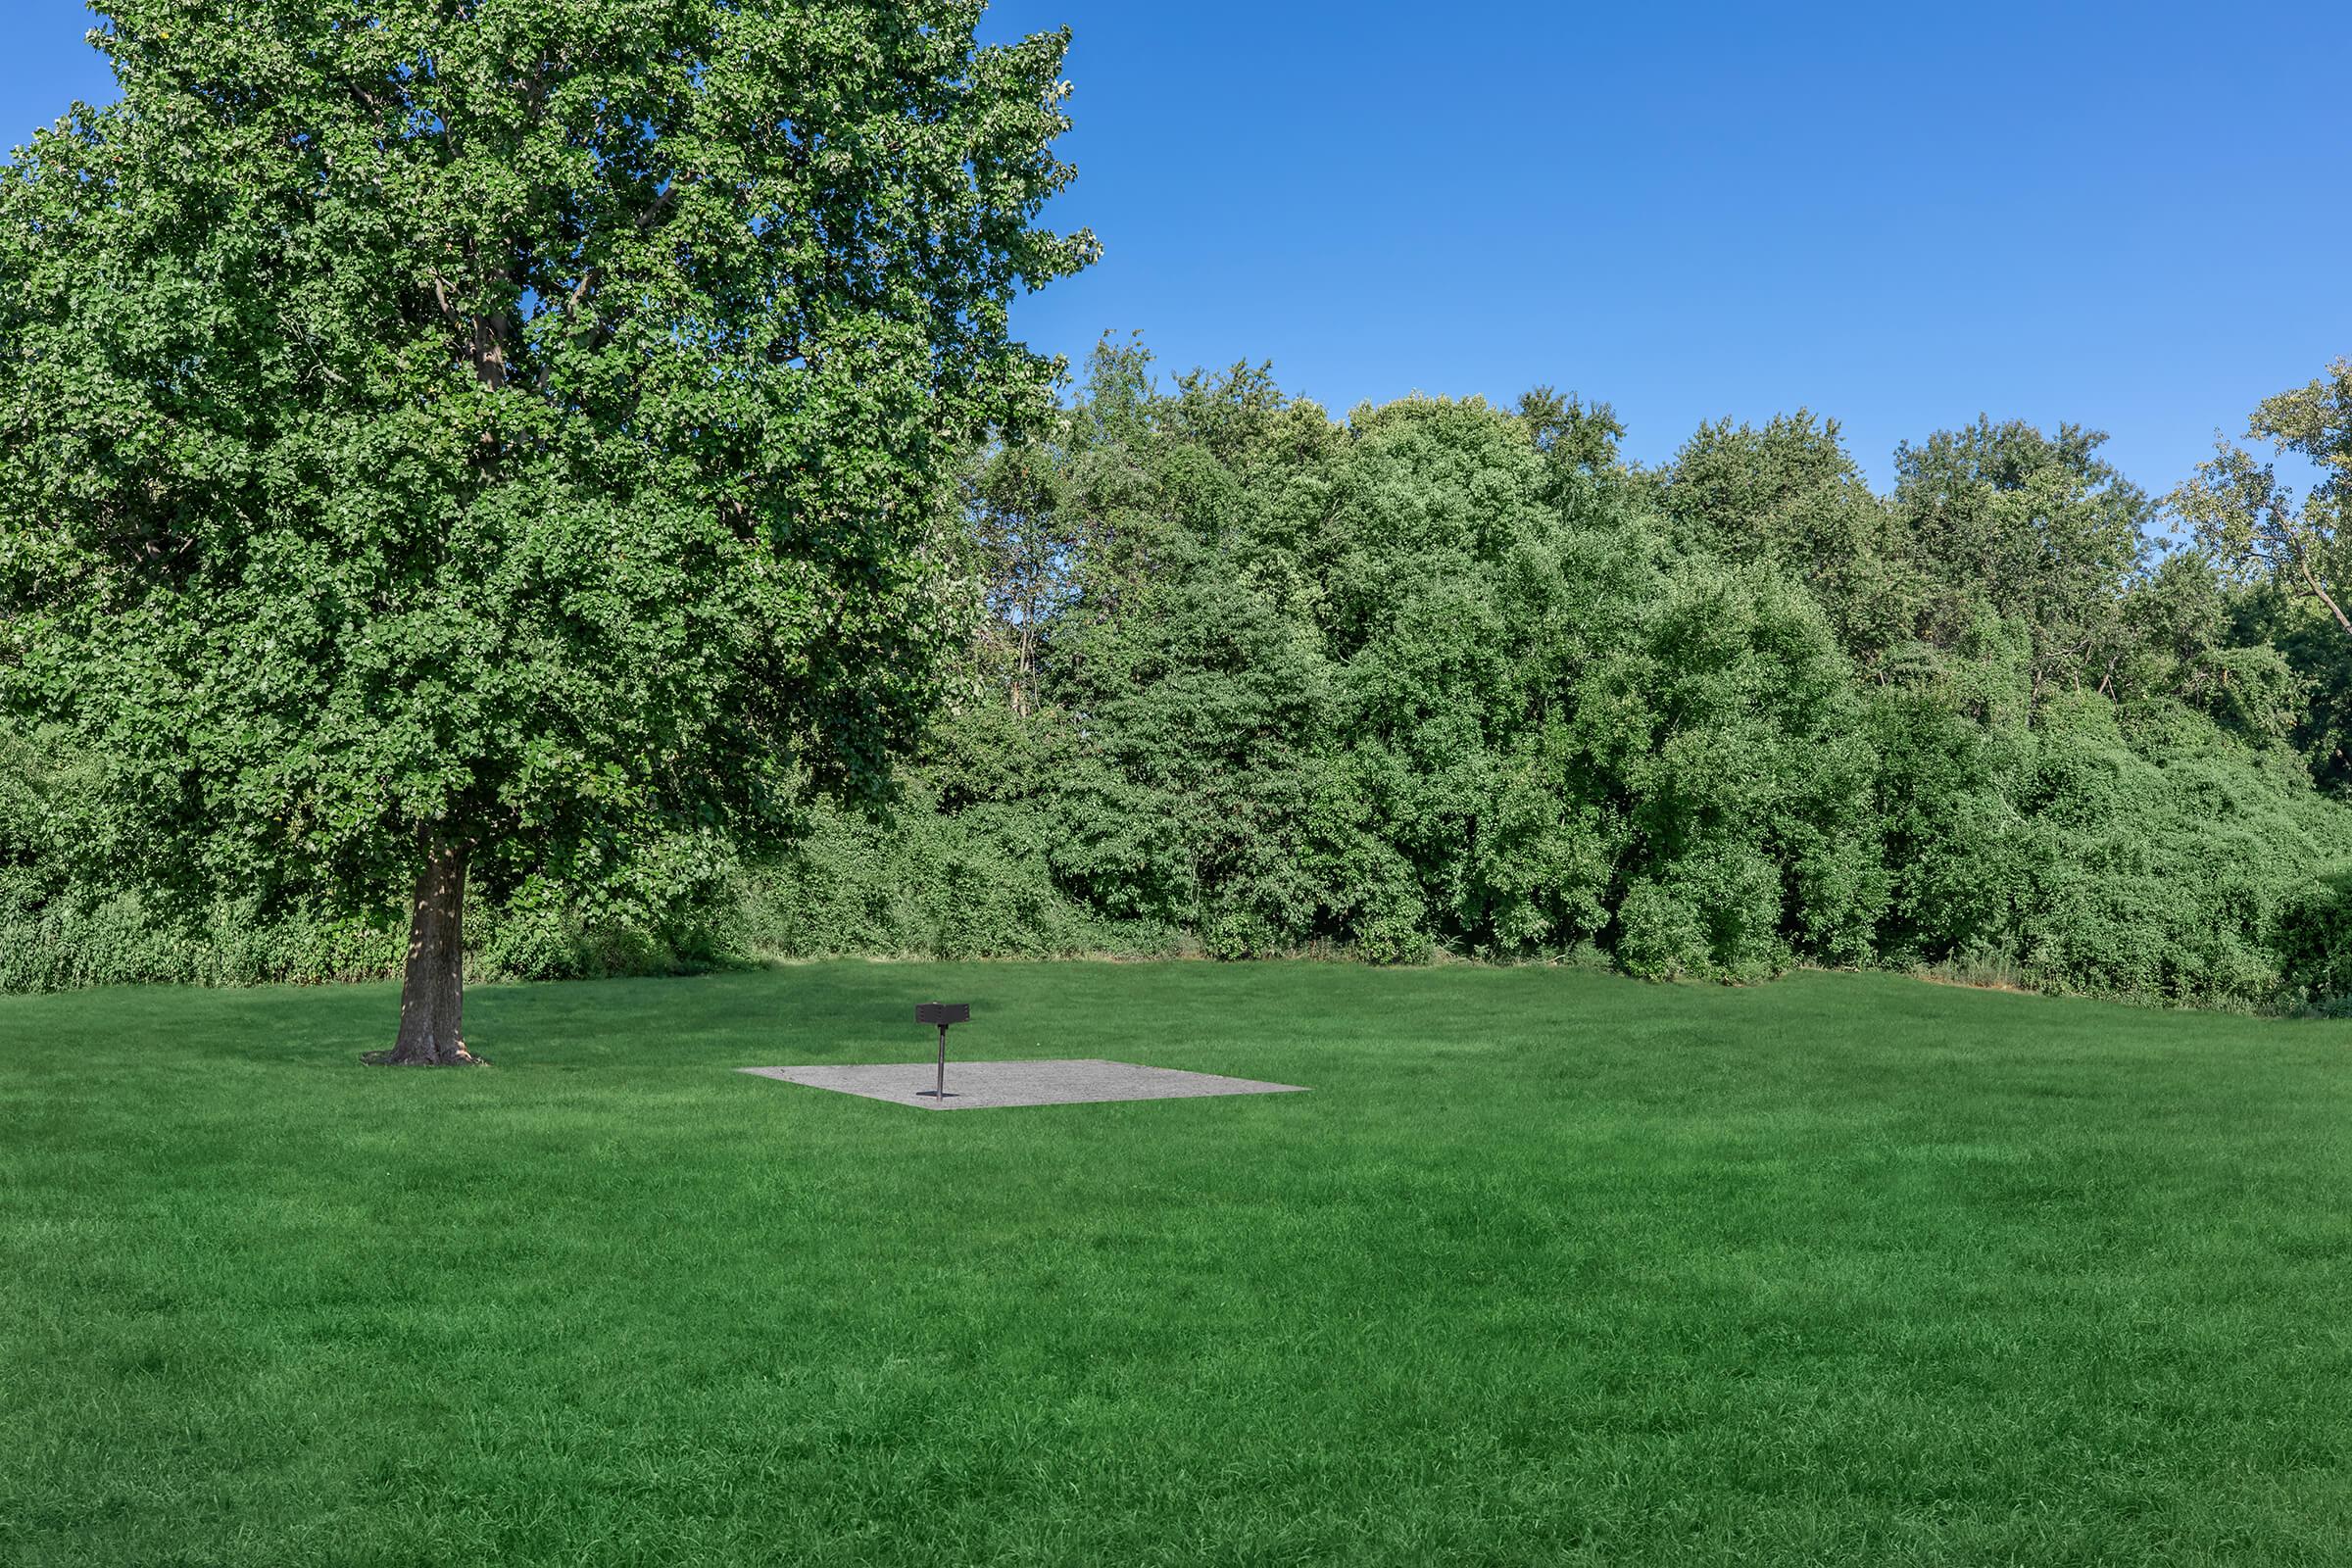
<point x="432" y="991"/>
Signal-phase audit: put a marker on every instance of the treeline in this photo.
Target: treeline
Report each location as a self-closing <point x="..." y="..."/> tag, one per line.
<point x="1244" y="681"/>
<point x="1450" y="678"/>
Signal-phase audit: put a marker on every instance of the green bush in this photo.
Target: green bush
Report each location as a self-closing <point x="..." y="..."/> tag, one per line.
<point x="924" y="884"/>
<point x="2314" y="940"/>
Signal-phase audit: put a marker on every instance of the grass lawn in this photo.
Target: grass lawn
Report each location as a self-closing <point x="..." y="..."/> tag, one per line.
<point x="1550" y="1267"/>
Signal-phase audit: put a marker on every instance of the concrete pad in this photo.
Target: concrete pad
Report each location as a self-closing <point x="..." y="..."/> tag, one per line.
<point x="987" y="1085"/>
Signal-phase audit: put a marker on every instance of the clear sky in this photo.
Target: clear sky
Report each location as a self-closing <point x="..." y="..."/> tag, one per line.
<point x="1900" y="213"/>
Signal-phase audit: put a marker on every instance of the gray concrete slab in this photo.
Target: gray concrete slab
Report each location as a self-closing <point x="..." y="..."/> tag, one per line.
<point x="988" y="1085"/>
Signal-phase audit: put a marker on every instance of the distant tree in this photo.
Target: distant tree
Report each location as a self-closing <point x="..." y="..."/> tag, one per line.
<point x="2037" y="527"/>
<point x="2251" y="522"/>
<point x="1571" y="432"/>
<point x="1789" y="495"/>
<point x="2292" y="549"/>
<point x="2322" y="656"/>
<point x="467" y="442"/>
<point x="1189" y="792"/>
<point x="1019" y="550"/>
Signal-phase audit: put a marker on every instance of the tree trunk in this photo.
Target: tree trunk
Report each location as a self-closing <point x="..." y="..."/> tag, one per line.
<point x="432" y="992"/>
<point x="2325" y="598"/>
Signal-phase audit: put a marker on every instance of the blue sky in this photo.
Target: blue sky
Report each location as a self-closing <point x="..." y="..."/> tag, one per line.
<point x="2132" y="217"/>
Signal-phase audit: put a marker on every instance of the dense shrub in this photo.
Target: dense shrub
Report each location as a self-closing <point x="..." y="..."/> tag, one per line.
<point x="2315" y="944"/>
<point x="929" y="885"/>
<point x="670" y="906"/>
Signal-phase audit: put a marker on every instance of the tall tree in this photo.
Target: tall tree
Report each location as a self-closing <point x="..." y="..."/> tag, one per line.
<point x="1790" y="496"/>
<point x="2248" y="521"/>
<point x="1019" y="549"/>
<point x="2294" y="551"/>
<point x="2038" y="528"/>
<point x="451" y="442"/>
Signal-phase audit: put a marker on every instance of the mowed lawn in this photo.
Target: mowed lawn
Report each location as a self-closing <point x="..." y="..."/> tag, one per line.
<point x="1552" y="1266"/>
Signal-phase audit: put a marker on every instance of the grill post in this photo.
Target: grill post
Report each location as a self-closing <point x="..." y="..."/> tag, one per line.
<point x="940" y="1013"/>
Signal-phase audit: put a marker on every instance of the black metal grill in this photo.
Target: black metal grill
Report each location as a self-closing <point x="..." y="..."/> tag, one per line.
<point x="942" y="1014"/>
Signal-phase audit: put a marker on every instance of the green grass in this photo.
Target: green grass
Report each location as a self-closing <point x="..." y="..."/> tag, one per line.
<point x="1551" y="1267"/>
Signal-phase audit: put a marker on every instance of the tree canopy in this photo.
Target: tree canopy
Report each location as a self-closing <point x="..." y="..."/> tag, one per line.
<point x="1443" y="676"/>
<point x="1230" y="676"/>
<point x="484" y="440"/>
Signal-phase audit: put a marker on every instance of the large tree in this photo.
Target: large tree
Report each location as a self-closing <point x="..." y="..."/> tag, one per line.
<point x="2036" y="528"/>
<point x="2294" y="551"/>
<point x="2250" y="523"/>
<point x="1789" y="495"/>
<point x="471" y="439"/>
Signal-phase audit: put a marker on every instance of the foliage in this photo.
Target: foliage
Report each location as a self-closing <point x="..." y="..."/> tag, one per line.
<point x="2294" y="557"/>
<point x="926" y="884"/>
<point x="513" y="439"/>
<point x="1790" y="496"/>
<point x="2034" y="527"/>
<point x="2246" y="518"/>
<point x="1441" y="676"/>
<point x="2315" y="939"/>
<point x="1234" y="677"/>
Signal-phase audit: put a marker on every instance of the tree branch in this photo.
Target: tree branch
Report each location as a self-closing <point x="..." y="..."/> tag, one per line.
<point x="2303" y="563"/>
<point x="593" y="274"/>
